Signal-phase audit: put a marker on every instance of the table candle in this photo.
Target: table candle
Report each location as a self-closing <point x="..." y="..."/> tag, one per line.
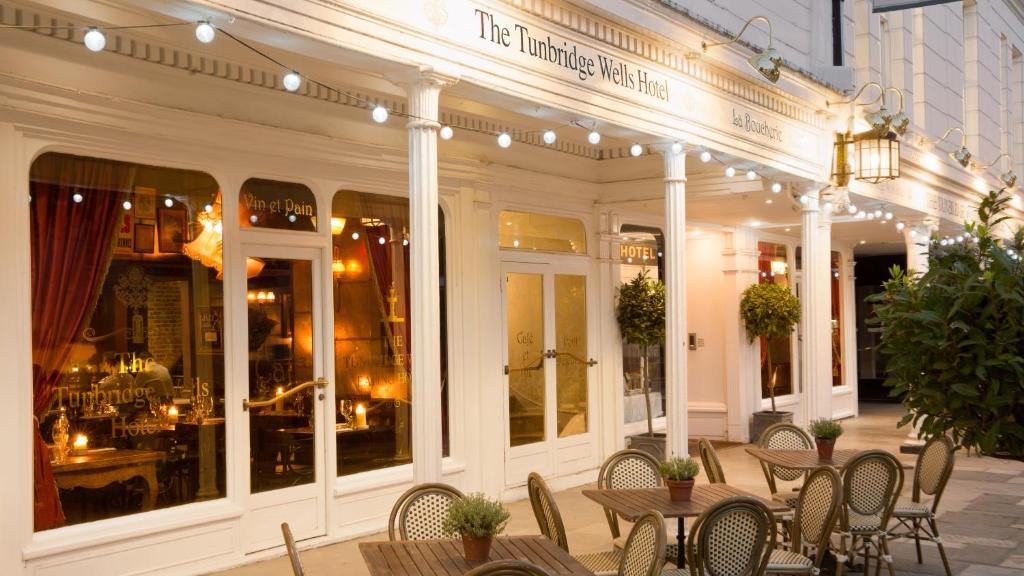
<point x="82" y="443"/>
<point x="360" y="416"/>
<point x="172" y="415"/>
<point x="279" y="406"/>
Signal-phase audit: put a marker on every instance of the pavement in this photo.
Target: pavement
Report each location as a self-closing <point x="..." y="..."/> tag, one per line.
<point x="981" y="514"/>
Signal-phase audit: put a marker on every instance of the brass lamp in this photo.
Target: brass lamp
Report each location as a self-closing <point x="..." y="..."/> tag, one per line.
<point x="767" y="62"/>
<point x="876" y="151"/>
<point x="1008" y="178"/>
<point x="962" y="155"/>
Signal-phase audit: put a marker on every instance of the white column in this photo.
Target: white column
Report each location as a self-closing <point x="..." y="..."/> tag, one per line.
<point x="743" y="390"/>
<point x="675" y="300"/>
<point x="424" y="89"/>
<point x="610" y="369"/>
<point x="815" y="295"/>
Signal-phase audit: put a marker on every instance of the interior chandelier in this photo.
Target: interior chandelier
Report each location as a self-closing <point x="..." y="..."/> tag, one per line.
<point x="766" y="62"/>
<point x="208" y="247"/>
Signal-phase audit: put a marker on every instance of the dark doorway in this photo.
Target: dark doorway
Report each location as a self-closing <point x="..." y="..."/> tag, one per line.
<point x="872" y="271"/>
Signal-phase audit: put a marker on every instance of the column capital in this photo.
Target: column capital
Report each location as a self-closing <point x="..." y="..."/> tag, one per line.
<point x="424" y="76"/>
<point x="675" y="161"/>
<point x="423" y="87"/>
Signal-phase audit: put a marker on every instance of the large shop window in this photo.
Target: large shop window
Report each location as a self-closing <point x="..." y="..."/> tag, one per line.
<point x="373" y="360"/>
<point x="642" y="250"/>
<point x="127" y="339"/>
<point x="773" y="267"/>
<point x="837" y="319"/>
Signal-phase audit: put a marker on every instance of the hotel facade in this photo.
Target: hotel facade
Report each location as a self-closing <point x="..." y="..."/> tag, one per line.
<point x="279" y="261"/>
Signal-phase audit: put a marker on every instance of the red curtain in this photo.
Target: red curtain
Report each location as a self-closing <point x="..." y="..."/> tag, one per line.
<point x="72" y="244"/>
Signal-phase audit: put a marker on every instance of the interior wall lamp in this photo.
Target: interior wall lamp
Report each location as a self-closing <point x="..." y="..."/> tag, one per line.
<point x="1008" y="178"/>
<point x="766" y="62"/>
<point x="962" y="155"/>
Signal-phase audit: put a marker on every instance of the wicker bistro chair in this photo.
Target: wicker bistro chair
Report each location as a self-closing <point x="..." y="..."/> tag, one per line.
<point x="630" y="469"/>
<point x="420" y="512"/>
<point x="872" y="481"/>
<point x="709" y="460"/>
<point x="784" y="436"/>
<point x="733" y="537"/>
<point x="817" y="510"/>
<point x="934" y="467"/>
<point x="645" y="539"/>
<point x="508" y="568"/>
<point x="293" y="554"/>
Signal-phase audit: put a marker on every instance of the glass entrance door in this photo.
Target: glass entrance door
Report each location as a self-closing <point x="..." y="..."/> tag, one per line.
<point x="548" y="371"/>
<point x="285" y="398"/>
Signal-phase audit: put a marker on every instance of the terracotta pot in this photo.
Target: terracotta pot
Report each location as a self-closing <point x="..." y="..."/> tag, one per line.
<point x="825" y="447"/>
<point x="477" y="549"/>
<point x="679" y="490"/>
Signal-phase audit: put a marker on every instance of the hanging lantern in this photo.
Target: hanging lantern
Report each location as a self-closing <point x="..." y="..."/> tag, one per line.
<point x="877" y="159"/>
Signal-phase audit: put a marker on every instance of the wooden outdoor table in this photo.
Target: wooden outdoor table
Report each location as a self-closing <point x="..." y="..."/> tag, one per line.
<point x="806" y="459"/>
<point x="102" y="467"/>
<point x="633" y="503"/>
<point x="446" y="557"/>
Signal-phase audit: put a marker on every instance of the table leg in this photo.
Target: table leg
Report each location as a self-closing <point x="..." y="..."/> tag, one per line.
<point x="681" y="538"/>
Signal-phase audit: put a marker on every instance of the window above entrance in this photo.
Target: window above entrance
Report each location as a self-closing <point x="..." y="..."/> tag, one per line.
<point x="541" y="232"/>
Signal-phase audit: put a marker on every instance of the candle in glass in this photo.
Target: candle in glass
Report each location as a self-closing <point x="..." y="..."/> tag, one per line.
<point x="279" y="406"/>
<point x="81" y="443"/>
<point x="172" y="415"/>
<point x="360" y="416"/>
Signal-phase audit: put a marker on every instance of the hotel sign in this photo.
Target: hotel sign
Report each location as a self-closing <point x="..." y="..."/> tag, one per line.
<point x="536" y="51"/>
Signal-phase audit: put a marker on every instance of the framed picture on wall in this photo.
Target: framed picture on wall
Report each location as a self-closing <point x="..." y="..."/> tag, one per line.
<point x="173" y="230"/>
<point x="145" y="203"/>
<point x="143" y="241"/>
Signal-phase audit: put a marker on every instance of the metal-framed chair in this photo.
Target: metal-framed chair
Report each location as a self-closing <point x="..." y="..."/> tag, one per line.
<point x="934" y="467"/>
<point x="630" y="469"/>
<point x="735" y="537"/>
<point x="508" y="568"/>
<point x="643" y="554"/>
<point x="784" y="436"/>
<point x="709" y="459"/>
<point x="293" y="553"/>
<point x="817" y="510"/>
<point x="419" y="513"/>
<point x="872" y="481"/>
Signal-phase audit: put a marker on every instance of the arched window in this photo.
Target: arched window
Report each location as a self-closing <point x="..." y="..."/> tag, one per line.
<point x="273" y="204"/>
<point x="541" y="232"/>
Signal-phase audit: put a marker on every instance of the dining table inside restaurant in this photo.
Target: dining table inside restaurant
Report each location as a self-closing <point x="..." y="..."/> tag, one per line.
<point x="808" y="459"/>
<point x="631" y="503"/>
<point x="447" y="558"/>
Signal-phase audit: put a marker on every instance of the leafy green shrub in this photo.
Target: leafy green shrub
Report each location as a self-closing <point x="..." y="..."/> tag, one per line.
<point x="680" y="469"/>
<point x="475" y="516"/>
<point x="826" y="429"/>
<point x="641" y="315"/>
<point x="954" y="337"/>
<point x="769" y="311"/>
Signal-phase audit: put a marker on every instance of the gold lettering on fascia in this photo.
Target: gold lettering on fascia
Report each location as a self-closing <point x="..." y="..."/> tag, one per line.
<point x="278" y="206"/>
<point x="752" y="125"/>
<point x="587" y="67"/>
<point x="637" y="252"/>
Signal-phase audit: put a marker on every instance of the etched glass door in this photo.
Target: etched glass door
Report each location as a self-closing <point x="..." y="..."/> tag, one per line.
<point x="548" y="372"/>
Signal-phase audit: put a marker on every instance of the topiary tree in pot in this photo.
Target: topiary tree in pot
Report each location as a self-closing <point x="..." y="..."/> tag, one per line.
<point x="954" y="336"/>
<point x="640" y="311"/>
<point x="769" y="311"/>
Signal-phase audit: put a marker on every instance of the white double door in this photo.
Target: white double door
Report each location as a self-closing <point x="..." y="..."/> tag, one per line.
<point x="549" y="373"/>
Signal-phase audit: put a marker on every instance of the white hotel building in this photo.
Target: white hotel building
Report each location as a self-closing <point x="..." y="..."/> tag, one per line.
<point x="191" y="234"/>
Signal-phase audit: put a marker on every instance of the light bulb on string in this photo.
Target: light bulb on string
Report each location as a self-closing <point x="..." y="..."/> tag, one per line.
<point x="804" y="199"/>
<point x="776" y="188"/>
<point x="851" y="209"/>
<point x="504" y="140"/>
<point x="636" y="150"/>
<point x="208" y="209"/>
<point x="95" y="40"/>
<point x="912" y="232"/>
<point x="382" y="241"/>
<point x="888" y="215"/>
<point x="77" y="198"/>
<point x="751" y="175"/>
<point x="730" y="172"/>
<point x="446" y="133"/>
<point x="253" y="218"/>
<point x="380" y="114"/>
<point x="205" y="32"/>
<point x="900" y="226"/>
<point x="168" y="202"/>
<point x="705" y="156"/>
<point x="677" y="147"/>
<point x="127" y="205"/>
<point x="594" y="137"/>
<point x="861" y="215"/>
<point x="355" y="235"/>
<point x="549" y="137"/>
<point x="291" y="81"/>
